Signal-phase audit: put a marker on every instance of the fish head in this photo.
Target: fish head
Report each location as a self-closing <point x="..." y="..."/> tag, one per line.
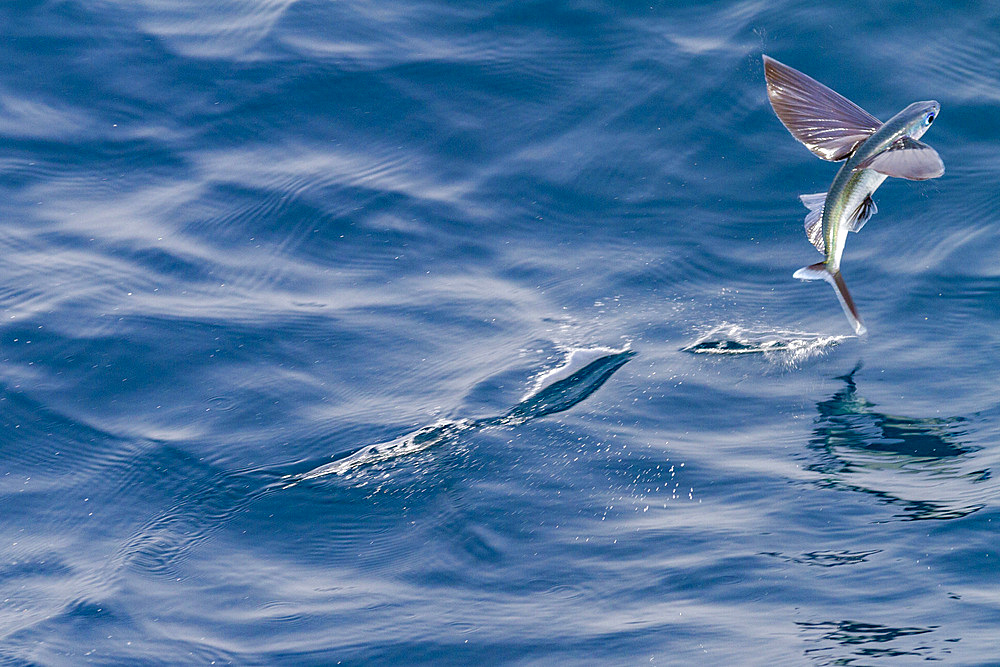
<point x="919" y="117"/>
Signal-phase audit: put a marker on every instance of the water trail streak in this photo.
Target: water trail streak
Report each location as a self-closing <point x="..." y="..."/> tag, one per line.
<point x="584" y="371"/>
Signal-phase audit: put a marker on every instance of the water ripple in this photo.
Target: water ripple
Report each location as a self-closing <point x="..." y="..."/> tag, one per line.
<point x="222" y="29"/>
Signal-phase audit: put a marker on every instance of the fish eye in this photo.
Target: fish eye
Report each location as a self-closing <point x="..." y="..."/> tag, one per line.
<point x="929" y="119"/>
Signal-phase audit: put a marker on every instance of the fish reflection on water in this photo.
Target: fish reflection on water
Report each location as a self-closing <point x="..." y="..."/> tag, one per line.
<point x="922" y="463"/>
<point x="870" y="640"/>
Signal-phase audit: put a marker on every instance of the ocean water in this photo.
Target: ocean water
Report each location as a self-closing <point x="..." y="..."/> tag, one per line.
<point x="445" y="333"/>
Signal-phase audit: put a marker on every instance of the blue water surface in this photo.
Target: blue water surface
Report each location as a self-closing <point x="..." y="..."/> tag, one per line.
<point x="455" y="333"/>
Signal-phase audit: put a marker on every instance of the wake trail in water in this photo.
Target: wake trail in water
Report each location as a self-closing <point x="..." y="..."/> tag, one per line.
<point x="583" y="373"/>
<point x="206" y="497"/>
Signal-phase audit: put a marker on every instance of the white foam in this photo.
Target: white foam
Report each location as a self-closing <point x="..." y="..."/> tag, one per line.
<point x="411" y="443"/>
<point x="778" y="345"/>
<point x="576" y="358"/>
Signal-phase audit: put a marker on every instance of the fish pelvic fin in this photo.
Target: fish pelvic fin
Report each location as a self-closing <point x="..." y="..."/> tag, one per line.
<point x="862" y="215"/>
<point x="820" y="271"/>
<point x="814" y="219"/>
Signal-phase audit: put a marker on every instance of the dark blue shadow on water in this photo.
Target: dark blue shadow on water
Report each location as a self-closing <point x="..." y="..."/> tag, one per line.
<point x="563" y="394"/>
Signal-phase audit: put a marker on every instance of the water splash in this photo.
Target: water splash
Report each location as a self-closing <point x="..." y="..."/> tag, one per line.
<point x="781" y="346"/>
<point x="558" y="390"/>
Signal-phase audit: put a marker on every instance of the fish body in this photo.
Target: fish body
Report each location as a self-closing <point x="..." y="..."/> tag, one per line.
<point x="834" y="128"/>
<point x="850" y="188"/>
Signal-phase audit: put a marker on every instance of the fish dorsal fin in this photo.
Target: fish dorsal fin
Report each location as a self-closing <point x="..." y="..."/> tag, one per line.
<point x="814" y="219"/>
<point x="906" y="158"/>
<point x="829" y="124"/>
<point x="862" y="215"/>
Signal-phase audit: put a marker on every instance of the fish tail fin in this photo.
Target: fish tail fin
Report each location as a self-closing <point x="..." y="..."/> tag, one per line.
<point x="819" y="271"/>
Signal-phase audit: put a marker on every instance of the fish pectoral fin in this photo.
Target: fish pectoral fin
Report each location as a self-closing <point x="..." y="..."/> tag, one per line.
<point x="814" y="229"/>
<point x="906" y="158"/>
<point x="862" y="215"/>
<point x="829" y="124"/>
<point x="814" y="219"/>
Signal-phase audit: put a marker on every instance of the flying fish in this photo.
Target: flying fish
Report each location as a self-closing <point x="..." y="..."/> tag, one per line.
<point x="836" y="129"/>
